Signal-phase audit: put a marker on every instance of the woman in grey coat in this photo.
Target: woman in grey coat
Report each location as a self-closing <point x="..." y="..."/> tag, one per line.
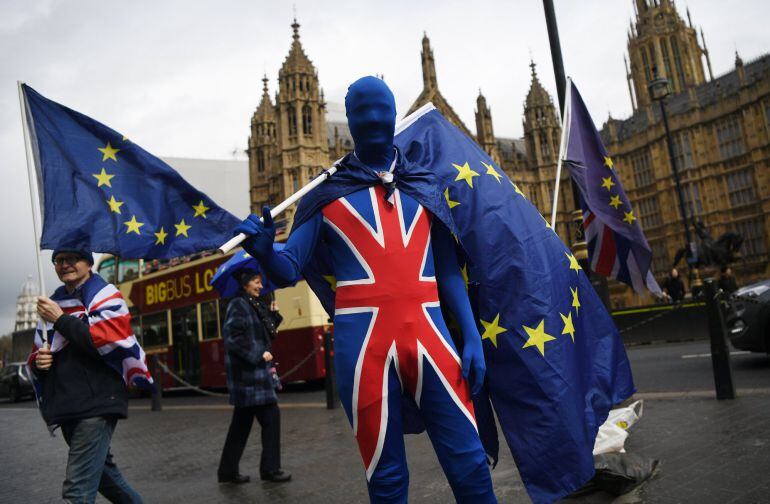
<point x="248" y="331"/>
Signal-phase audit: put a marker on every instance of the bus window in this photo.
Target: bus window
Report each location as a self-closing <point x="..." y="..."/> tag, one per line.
<point x="136" y="324"/>
<point x="155" y="329"/>
<point x="184" y="328"/>
<point x="107" y="270"/>
<point x="128" y="269"/>
<point x="209" y="320"/>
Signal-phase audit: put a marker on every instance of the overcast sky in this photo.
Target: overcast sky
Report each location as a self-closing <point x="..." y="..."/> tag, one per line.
<point x="182" y="78"/>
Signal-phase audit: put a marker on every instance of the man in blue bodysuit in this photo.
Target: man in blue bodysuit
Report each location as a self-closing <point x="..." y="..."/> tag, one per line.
<point x="391" y="256"/>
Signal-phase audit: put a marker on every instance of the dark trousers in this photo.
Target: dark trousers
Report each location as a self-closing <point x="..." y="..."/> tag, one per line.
<point x="269" y="418"/>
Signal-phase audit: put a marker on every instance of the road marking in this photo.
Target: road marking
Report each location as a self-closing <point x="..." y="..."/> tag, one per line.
<point x="701" y="355"/>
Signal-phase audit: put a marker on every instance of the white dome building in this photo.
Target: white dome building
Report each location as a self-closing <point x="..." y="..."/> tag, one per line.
<point x="26" y="306"/>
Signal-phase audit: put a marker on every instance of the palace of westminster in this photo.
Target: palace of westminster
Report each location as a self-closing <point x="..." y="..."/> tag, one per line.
<point x="720" y="128"/>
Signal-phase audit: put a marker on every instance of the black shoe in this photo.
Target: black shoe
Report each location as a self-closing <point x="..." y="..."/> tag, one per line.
<point x="279" y="476"/>
<point x="236" y="479"/>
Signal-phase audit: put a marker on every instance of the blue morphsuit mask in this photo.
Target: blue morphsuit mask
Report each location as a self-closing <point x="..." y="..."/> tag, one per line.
<point x="371" y="111"/>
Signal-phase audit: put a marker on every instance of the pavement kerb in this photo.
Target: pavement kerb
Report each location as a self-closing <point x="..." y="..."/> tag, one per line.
<point x="698" y="394"/>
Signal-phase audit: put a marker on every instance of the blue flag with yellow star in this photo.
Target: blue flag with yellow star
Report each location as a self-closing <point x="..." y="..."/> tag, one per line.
<point x="101" y="191"/>
<point x="555" y="361"/>
<point x="617" y="247"/>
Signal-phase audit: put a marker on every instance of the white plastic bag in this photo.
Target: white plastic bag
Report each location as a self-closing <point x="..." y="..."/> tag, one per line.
<point x="613" y="433"/>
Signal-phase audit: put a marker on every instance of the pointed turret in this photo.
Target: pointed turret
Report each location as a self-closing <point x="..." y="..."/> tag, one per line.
<point x="485" y="135"/>
<point x="541" y="125"/>
<point x="430" y="92"/>
<point x="262" y="149"/>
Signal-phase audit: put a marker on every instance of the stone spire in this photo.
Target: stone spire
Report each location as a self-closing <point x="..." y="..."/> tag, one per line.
<point x="485" y="134"/>
<point x="542" y="129"/>
<point x="430" y="92"/>
<point x="265" y="109"/>
<point x="428" y="65"/>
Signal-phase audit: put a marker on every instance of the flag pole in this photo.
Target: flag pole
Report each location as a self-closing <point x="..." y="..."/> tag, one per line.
<point x="237" y="239"/>
<point x="36" y="212"/>
<point x="562" y="149"/>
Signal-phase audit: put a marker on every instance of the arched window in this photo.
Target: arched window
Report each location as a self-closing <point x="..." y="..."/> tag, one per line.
<point x="261" y="161"/>
<point x="307" y="120"/>
<point x="545" y="150"/>
<point x="292" y="117"/>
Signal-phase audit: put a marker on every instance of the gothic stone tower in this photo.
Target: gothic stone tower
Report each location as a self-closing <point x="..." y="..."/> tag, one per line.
<point x="288" y="144"/>
<point x="264" y="169"/>
<point x="485" y="134"/>
<point x="300" y="110"/>
<point x="542" y="135"/>
<point x="661" y="40"/>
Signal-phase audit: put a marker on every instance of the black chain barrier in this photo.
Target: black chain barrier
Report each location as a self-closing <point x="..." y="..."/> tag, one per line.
<point x="652" y="318"/>
<point x="190" y="386"/>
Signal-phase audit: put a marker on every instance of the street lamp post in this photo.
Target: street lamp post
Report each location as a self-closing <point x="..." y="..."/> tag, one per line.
<point x="659" y="91"/>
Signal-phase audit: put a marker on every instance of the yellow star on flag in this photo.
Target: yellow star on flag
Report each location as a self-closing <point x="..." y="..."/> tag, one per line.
<point x="181" y="228"/>
<point x="114" y="204"/>
<point x="573" y="263"/>
<point x="133" y="226"/>
<point x="537" y="337"/>
<point x="568" y="327"/>
<point x="492" y="329"/>
<point x="103" y="178"/>
<point x="615" y="201"/>
<point x="200" y="209"/>
<point x="109" y="152"/>
<point x="607" y="183"/>
<point x="161" y="237"/>
<point x="465" y="173"/>
<point x="491" y="171"/>
<point x="332" y="281"/>
<point x="608" y="162"/>
<point x="629" y="217"/>
<point x="451" y="203"/>
<point x="516" y="188"/>
<point x="575" y="300"/>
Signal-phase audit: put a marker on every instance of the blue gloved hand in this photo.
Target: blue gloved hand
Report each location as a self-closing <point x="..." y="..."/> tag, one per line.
<point x="474" y="367"/>
<point x="261" y="234"/>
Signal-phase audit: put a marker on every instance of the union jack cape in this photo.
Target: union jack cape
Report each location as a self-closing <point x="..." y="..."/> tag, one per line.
<point x="101" y="305"/>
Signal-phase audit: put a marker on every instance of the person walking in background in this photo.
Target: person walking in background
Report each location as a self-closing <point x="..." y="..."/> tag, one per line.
<point x="248" y="331"/>
<point x="727" y="280"/>
<point x="81" y="378"/>
<point x="674" y="287"/>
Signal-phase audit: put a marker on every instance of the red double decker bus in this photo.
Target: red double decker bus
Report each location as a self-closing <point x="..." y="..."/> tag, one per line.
<point x="177" y="316"/>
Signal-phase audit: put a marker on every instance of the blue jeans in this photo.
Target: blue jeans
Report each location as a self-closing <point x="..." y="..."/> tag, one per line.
<point x="90" y="467"/>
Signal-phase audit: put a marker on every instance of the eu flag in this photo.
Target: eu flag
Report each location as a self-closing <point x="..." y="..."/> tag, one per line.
<point x="101" y="191"/>
<point x="617" y="247"/>
<point x="555" y="361"/>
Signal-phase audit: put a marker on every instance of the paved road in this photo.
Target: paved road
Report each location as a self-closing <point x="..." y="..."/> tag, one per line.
<point x="677" y="367"/>
<point x="710" y="451"/>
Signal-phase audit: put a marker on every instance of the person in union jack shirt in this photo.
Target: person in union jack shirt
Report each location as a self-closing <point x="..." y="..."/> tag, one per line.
<point x="80" y="372"/>
<point x="390" y="261"/>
